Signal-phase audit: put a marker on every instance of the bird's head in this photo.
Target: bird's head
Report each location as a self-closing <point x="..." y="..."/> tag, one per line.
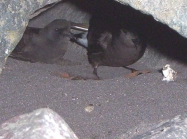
<point x="57" y="29"/>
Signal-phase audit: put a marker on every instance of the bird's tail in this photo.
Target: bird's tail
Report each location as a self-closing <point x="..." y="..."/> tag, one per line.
<point x="79" y="26"/>
<point x="80" y="39"/>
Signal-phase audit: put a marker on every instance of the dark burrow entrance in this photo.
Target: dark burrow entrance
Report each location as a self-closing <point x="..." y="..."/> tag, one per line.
<point x="165" y="42"/>
<point x="123" y="107"/>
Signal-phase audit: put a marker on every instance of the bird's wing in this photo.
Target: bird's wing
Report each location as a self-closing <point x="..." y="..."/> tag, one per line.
<point x="105" y="39"/>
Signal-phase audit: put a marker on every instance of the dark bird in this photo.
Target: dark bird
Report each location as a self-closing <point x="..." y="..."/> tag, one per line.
<point x="44" y="45"/>
<point x="111" y="42"/>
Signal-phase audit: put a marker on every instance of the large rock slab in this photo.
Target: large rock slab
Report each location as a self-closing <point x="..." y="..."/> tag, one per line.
<point x="170" y="12"/>
<point x="175" y="128"/>
<point x="43" y="123"/>
<point x="66" y="10"/>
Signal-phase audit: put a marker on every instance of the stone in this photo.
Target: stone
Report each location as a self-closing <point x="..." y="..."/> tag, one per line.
<point x="42" y="123"/>
<point x="175" y="128"/>
<point x="62" y="10"/>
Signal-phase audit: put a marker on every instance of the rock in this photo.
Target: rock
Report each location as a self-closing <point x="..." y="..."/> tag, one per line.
<point x="65" y="10"/>
<point x="14" y="17"/>
<point x="39" y="124"/>
<point x="170" y="12"/>
<point x="170" y="129"/>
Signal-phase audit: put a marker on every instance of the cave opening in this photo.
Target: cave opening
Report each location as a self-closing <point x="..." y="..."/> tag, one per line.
<point x="164" y="44"/>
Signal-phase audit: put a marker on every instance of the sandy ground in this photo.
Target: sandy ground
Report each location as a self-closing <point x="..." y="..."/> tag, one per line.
<point x="123" y="107"/>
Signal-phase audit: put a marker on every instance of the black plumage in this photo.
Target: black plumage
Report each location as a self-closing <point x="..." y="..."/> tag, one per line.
<point x="112" y="42"/>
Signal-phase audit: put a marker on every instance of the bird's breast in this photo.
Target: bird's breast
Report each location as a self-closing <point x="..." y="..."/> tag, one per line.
<point x="122" y="55"/>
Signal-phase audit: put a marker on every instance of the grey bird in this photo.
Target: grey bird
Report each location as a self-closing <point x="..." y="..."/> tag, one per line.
<point x="45" y="45"/>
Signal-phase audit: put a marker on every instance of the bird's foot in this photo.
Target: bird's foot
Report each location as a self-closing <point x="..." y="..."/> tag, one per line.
<point x="96" y="78"/>
<point x="135" y="73"/>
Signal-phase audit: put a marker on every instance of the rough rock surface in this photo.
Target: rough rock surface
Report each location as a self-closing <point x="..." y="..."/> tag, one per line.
<point x="14" y="17"/>
<point x="40" y="124"/>
<point x="171" y="129"/>
<point x="170" y="12"/>
<point x="65" y="10"/>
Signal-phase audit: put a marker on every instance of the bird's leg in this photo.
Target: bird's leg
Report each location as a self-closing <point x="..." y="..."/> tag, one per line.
<point x="95" y="72"/>
<point x="135" y="72"/>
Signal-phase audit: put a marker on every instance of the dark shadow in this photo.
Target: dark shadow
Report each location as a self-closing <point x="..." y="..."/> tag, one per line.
<point x="162" y="38"/>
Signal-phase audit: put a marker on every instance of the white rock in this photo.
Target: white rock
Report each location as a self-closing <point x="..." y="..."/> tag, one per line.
<point x="169" y="73"/>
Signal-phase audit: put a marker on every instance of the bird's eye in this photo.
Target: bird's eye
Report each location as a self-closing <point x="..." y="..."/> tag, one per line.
<point x="56" y="29"/>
